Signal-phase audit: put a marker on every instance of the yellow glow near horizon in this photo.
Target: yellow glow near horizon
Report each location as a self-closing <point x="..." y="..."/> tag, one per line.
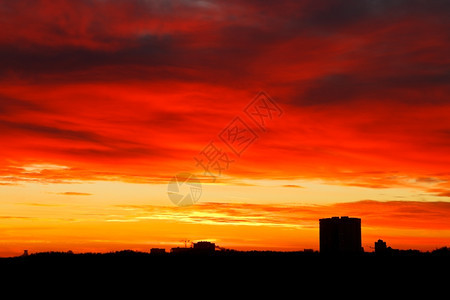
<point x="100" y="214"/>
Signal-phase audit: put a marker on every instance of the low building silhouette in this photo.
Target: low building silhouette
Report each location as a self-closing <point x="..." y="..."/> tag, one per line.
<point x="157" y="251"/>
<point x="380" y="247"/>
<point x="204" y="246"/>
<point x="340" y="235"/>
<point x="197" y="248"/>
<point x="178" y="250"/>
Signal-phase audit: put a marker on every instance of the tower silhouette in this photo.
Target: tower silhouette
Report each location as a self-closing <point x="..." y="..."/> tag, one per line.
<point x="340" y="235"/>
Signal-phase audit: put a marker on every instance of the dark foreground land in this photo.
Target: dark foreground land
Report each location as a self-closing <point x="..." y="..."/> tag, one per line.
<point x="228" y="271"/>
<point x="233" y="261"/>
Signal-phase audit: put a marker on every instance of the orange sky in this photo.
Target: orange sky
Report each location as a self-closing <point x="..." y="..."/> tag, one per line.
<point x="103" y="102"/>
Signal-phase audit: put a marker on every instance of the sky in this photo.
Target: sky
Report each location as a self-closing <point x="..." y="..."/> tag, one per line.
<point x="341" y="109"/>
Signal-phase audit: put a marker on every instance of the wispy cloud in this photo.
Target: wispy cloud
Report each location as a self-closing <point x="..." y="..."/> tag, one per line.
<point x="292" y="186"/>
<point x="375" y="214"/>
<point x="39" y="204"/>
<point x="15" y="217"/>
<point x="74" y="194"/>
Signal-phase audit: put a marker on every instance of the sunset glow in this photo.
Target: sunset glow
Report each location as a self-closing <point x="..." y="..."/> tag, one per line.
<point x="103" y="102"/>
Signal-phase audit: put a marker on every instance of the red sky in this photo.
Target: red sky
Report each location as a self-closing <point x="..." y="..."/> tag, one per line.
<point x="106" y="98"/>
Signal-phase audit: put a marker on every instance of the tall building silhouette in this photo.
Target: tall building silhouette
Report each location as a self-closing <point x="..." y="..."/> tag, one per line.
<point x="340" y="235"/>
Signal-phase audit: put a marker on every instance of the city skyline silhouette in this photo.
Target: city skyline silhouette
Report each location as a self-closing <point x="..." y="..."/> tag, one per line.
<point x="339" y="236"/>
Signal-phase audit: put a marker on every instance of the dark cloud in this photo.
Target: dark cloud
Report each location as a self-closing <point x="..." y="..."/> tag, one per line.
<point x="332" y="16"/>
<point x="49" y="131"/>
<point x="115" y="152"/>
<point x="146" y="58"/>
<point x="223" y="48"/>
<point x="82" y="143"/>
<point x="9" y="105"/>
<point x="146" y="51"/>
<point x="336" y="89"/>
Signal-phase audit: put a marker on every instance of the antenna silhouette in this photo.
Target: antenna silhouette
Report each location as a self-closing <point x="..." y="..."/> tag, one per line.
<point x="185" y="242"/>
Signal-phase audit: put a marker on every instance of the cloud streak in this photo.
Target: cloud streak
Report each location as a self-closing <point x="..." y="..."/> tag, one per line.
<point x="74" y="194"/>
<point x="412" y="215"/>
